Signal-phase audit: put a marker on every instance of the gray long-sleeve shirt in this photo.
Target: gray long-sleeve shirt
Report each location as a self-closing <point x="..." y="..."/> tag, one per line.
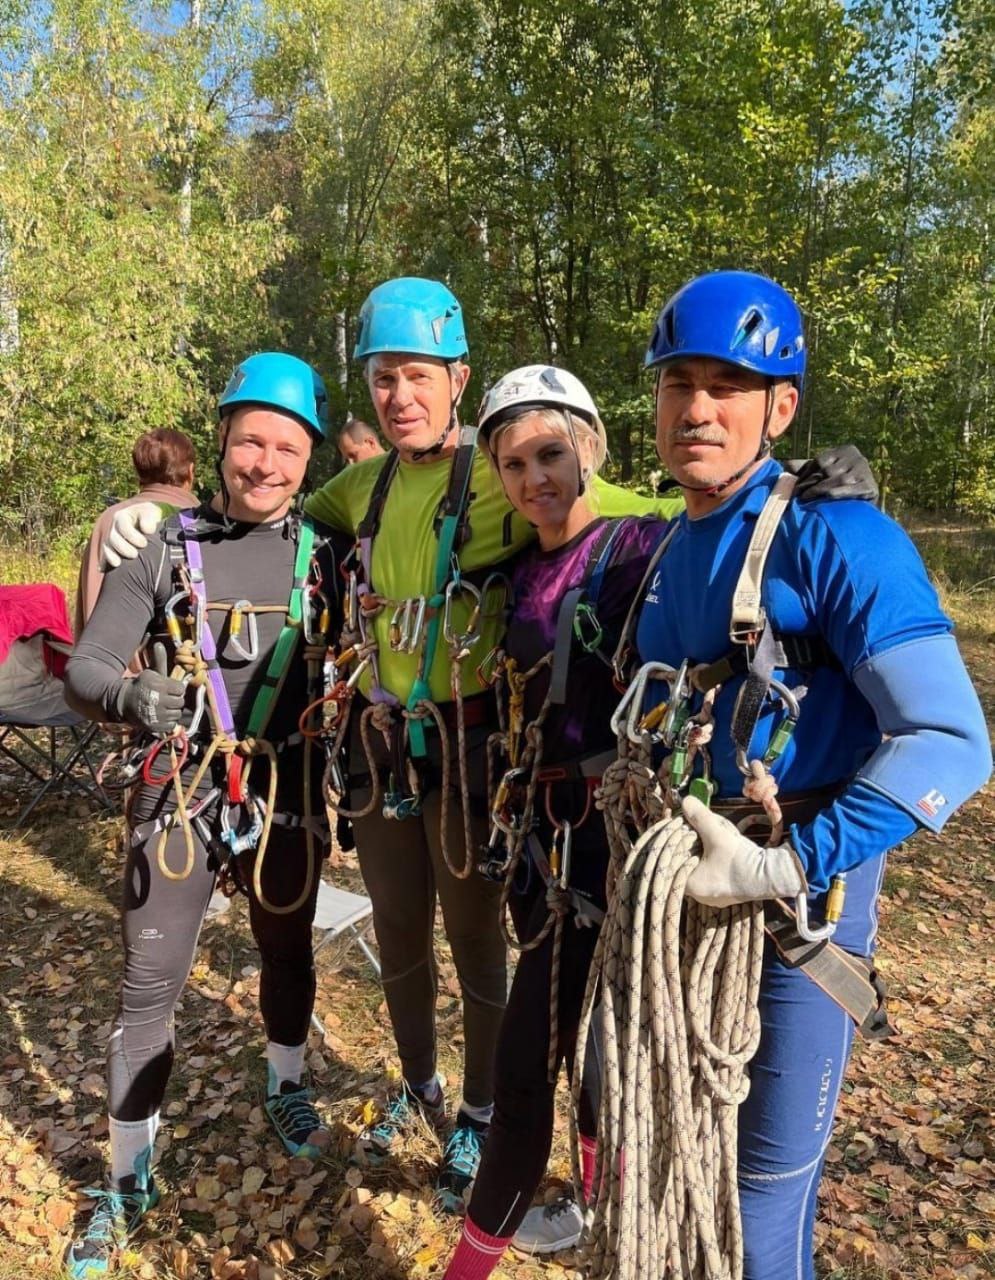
<point x="253" y="562"/>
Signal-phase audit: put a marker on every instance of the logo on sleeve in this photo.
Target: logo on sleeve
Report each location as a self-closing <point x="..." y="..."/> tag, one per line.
<point x="932" y="802"/>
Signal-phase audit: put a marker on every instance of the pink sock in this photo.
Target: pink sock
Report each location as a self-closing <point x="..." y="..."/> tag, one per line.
<point x="588" y="1150"/>
<point x="477" y="1254"/>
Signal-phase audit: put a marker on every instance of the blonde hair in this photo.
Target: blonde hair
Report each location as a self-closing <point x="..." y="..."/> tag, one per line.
<point x="556" y="420"/>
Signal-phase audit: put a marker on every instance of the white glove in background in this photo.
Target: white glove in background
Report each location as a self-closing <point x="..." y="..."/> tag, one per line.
<point x="128" y="534"/>
<point x="733" y="869"/>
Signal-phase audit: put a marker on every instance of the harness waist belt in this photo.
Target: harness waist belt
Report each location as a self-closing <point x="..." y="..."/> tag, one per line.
<point x="850" y="980"/>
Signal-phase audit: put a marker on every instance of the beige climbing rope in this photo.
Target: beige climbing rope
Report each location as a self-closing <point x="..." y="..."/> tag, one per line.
<point x="673" y="986"/>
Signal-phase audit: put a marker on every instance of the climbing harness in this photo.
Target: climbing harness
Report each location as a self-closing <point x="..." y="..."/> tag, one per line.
<point x="212" y="817"/>
<point x="416" y="625"/>
<point x="515" y="785"/>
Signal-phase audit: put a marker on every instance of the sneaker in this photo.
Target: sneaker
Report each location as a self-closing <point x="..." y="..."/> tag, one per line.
<point x="113" y="1222"/>
<point x="293" y="1116"/>
<point x="400" y="1116"/>
<point x="460" y="1162"/>
<point x="547" y="1228"/>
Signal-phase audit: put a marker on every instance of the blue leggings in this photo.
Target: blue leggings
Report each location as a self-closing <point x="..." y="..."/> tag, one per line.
<point x="787" y="1119"/>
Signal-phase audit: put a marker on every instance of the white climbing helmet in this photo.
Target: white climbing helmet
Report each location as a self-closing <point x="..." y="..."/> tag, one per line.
<point x="542" y="386"/>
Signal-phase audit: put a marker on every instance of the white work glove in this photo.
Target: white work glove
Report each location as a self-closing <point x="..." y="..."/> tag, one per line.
<point x="733" y="869"/>
<point x="128" y="534"/>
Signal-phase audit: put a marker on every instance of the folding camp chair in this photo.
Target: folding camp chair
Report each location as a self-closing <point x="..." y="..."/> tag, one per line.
<point x="47" y="742"/>
<point x="347" y="916"/>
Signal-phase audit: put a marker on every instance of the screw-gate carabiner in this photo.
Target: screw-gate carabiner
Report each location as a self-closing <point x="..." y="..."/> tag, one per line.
<point x="781" y="736"/>
<point x="460" y="640"/>
<point x="324" y="617"/>
<point x="628" y="717"/>
<point x="241" y="611"/>
<point x="174" y="623"/>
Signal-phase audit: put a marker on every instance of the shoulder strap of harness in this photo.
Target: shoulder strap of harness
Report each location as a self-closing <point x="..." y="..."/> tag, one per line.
<point x="620" y="658"/>
<point x="586" y="592"/>
<point x="369" y="526"/>
<point x="451" y="528"/>
<point x="749" y="625"/>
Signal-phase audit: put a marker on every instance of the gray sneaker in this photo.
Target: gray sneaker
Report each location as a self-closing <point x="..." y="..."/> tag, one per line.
<point x="547" y="1228"/>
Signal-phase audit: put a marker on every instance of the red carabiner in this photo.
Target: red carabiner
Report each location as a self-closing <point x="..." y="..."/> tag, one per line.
<point x="160" y="779"/>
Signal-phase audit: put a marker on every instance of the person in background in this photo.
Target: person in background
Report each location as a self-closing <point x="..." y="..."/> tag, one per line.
<point x="164" y="462"/>
<point x="358" y="441"/>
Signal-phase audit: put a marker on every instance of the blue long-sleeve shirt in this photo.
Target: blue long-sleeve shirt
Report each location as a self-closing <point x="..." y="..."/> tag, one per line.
<point x="898" y="725"/>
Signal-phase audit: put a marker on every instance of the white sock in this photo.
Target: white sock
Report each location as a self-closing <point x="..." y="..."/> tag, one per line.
<point x="483" y="1115"/>
<point x="131" y="1145"/>
<point x="286" y="1062"/>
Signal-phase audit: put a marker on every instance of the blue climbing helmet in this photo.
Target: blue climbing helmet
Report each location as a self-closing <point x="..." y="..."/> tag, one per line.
<point x="276" y="380"/>
<point x="413" y="316"/>
<point x="736" y="316"/>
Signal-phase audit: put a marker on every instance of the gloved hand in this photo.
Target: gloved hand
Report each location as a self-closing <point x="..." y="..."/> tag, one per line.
<point x="153" y="700"/>
<point x="127" y="535"/>
<point x="839" y="472"/>
<point x="733" y="869"/>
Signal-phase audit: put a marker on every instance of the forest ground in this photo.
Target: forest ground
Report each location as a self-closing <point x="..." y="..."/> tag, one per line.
<point x="910" y="1181"/>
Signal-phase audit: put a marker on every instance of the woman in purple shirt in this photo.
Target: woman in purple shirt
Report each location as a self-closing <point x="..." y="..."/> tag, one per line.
<point x="543" y="433"/>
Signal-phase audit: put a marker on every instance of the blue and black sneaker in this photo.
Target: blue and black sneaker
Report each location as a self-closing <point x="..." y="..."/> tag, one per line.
<point x="460" y="1162"/>
<point x="293" y="1116"/>
<point x="400" y="1115"/>
<point x="119" y="1210"/>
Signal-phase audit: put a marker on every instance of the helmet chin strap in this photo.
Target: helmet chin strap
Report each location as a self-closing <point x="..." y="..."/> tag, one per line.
<point x="763" y="451"/>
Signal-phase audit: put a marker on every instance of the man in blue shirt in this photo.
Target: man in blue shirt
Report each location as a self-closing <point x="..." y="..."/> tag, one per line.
<point x="890" y="736"/>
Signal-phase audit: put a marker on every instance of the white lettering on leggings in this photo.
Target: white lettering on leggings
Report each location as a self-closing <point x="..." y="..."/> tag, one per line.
<point x="825" y="1085"/>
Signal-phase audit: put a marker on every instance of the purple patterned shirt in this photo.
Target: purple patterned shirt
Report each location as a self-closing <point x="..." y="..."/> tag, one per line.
<point x="540" y="581"/>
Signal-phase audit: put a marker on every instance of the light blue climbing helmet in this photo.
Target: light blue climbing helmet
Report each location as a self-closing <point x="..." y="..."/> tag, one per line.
<point x="411" y="316"/>
<point x="276" y="380"/>
<point x="736" y="316"/>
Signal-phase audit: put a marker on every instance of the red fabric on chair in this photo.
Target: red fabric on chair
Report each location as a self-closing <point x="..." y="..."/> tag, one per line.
<point x="26" y="610"/>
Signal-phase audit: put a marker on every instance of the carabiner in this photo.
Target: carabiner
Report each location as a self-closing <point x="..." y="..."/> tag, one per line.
<point x="199" y="706"/>
<point x="781" y="736"/>
<point x="589" y="633"/>
<point x="324" y="617"/>
<point x="160" y="779"/>
<point x="679" y="706"/>
<point x="460" y="640"/>
<point x="174" y="623"/>
<point x="242" y="609"/>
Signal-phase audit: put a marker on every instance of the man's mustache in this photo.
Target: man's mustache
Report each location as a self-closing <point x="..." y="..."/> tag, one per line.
<point x="686" y="434"/>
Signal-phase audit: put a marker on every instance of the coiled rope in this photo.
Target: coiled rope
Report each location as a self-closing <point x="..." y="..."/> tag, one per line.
<point x="674" y="987"/>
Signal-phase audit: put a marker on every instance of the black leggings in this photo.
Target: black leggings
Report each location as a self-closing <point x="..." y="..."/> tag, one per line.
<point x="521" y="1132"/>
<point x="160" y="923"/>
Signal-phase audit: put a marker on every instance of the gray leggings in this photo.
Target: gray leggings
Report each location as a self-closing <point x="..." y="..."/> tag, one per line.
<point x="160" y="923"/>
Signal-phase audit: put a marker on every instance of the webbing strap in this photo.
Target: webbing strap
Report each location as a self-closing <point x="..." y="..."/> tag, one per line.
<point x="450" y="529"/>
<point x="748" y="625"/>
<point x="286" y="643"/>
<point x="620" y="656"/>
<point x="208" y="649"/>
<point x="369" y="526"/>
<point x="792" y="652"/>
<point x="587" y="591"/>
<point x="747" y="609"/>
<point x="283" y="651"/>
<point x="847" y="979"/>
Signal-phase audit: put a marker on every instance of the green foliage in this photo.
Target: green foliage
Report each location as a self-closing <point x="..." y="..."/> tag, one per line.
<point x="178" y="190"/>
